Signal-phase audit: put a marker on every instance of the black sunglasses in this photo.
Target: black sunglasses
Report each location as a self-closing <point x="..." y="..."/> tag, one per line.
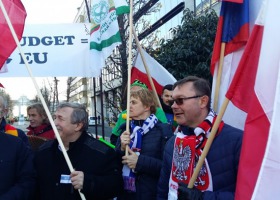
<point x="180" y="101"/>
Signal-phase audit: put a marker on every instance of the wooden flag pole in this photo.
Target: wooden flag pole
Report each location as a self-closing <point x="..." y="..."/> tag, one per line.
<point x="129" y="70"/>
<point x="219" y="75"/>
<point x="39" y="93"/>
<point x="208" y="143"/>
<point x="146" y="67"/>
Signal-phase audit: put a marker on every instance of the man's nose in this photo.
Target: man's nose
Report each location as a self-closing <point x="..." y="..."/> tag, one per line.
<point x="173" y="105"/>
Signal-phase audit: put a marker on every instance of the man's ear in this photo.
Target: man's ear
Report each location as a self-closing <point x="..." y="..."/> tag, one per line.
<point x="204" y="101"/>
<point x="79" y="126"/>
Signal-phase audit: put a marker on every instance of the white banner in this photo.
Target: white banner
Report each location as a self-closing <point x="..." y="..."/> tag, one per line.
<point x="55" y="50"/>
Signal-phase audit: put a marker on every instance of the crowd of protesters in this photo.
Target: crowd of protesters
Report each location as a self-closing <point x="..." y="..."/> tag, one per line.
<point x="151" y="160"/>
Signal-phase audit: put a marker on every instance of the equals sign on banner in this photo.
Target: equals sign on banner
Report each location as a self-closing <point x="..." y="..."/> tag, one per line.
<point x="84" y="40"/>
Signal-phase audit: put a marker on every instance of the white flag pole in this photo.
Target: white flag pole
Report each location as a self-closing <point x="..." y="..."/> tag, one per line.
<point x="38" y="92"/>
<point x="129" y="69"/>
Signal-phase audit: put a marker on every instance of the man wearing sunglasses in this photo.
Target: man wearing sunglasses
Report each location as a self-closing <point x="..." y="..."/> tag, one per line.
<point x="217" y="177"/>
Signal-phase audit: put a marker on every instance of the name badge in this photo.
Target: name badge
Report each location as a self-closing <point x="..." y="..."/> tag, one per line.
<point x="65" y="179"/>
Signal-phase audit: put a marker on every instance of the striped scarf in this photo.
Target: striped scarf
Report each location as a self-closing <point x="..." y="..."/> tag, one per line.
<point x="136" y="145"/>
<point x="187" y="150"/>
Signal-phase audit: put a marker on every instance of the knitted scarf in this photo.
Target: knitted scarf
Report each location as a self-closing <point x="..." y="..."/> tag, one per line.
<point x="187" y="150"/>
<point x="135" y="145"/>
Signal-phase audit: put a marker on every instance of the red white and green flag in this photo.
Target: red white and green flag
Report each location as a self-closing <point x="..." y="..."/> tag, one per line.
<point x="104" y="33"/>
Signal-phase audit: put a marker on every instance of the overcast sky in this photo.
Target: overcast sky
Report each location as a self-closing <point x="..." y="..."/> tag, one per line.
<point x="42" y="12"/>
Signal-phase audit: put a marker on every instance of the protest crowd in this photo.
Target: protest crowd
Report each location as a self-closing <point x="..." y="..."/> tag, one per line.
<point x="149" y="161"/>
<point x="171" y="142"/>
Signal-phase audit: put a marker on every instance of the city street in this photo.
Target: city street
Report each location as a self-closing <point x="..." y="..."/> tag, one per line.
<point x="107" y="131"/>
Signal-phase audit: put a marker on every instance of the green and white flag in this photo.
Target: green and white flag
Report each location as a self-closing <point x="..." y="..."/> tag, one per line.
<point x="104" y="33"/>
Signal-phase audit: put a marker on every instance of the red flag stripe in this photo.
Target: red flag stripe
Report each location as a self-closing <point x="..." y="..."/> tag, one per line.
<point x="259" y="171"/>
<point x="241" y="93"/>
<point x="137" y="74"/>
<point x="253" y="149"/>
<point x="241" y="88"/>
<point x="17" y="15"/>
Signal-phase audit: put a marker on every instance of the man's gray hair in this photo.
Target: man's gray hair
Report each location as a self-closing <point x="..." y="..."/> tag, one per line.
<point x="79" y="114"/>
<point x="3" y="101"/>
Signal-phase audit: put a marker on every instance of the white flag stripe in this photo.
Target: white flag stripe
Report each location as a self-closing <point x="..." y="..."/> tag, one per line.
<point x="230" y="64"/>
<point x="158" y="72"/>
<point x="267" y="89"/>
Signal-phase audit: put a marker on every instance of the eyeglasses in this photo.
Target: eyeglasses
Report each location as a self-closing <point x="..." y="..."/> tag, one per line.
<point x="180" y="101"/>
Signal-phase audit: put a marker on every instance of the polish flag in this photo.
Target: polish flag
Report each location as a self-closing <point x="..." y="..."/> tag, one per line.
<point x="17" y="15"/>
<point x="159" y="74"/>
<point x="255" y="89"/>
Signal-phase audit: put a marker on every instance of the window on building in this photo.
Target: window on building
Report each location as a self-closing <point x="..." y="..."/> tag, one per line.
<point x="202" y="5"/>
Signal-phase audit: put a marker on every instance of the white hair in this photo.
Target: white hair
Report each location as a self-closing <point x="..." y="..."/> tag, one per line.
<point x="3" y="101"/>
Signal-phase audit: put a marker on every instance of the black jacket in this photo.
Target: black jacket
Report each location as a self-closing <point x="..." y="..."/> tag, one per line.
<point x="149" y="162"/>
<point x="21" y="133"/>
<point x="17" y="174"/>
<point x="102" y="175"/>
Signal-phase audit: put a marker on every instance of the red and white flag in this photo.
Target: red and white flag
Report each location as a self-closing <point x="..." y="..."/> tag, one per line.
<point x="17" y="15"/>
<point x="159" y="74"/>
<point x="255" y="89"/>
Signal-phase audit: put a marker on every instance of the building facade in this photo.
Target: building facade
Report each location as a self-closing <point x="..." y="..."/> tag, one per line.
<point x="98" y="93"/>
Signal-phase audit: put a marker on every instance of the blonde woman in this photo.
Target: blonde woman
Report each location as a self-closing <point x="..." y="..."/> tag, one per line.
<point x="146" y="140"/>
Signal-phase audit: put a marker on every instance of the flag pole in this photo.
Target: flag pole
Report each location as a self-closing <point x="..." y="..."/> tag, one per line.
<point x="39" y="93"/>
<point x="208" y="143"/>
<point x="219" y="75"/>
<point x="146" y="67"/>
<point x="129" y="70"/>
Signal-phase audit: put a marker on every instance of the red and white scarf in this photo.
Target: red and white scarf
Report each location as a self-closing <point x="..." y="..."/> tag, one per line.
<point x="186" y="153"/>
